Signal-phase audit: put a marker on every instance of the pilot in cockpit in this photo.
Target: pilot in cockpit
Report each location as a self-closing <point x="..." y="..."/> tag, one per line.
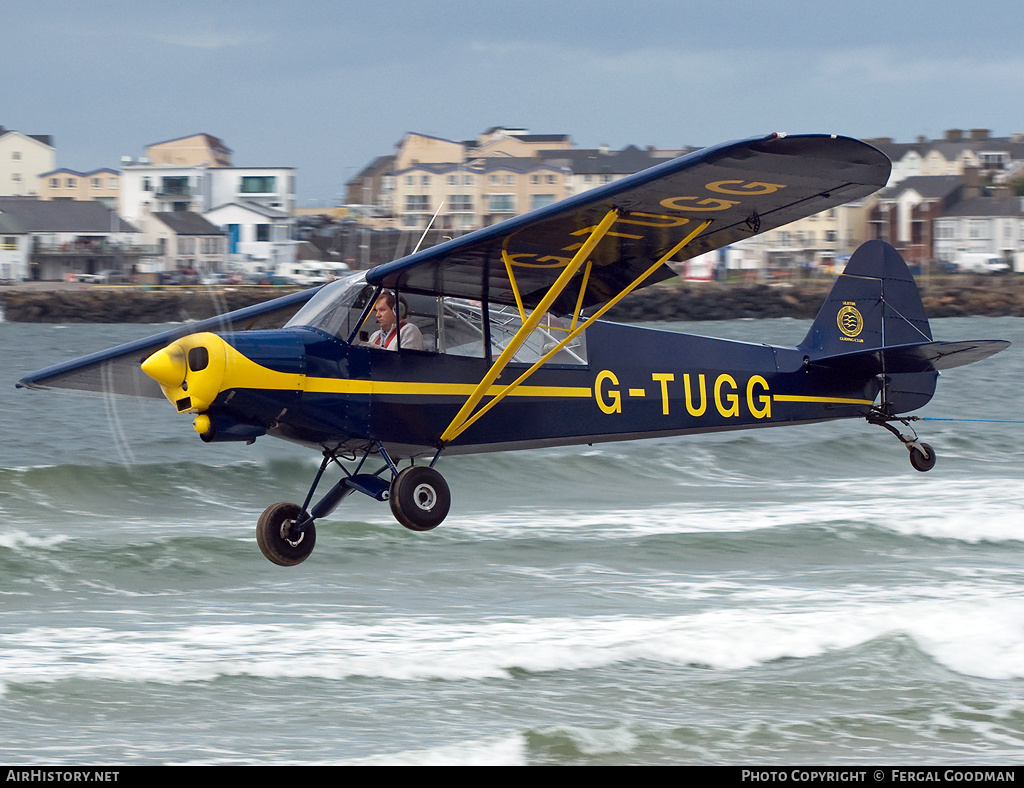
<point x="394" y="330"/>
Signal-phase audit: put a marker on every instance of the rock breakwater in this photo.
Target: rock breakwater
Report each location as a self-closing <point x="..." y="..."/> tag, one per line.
<point x="128" y="305"/>
<point x="949" y="296"/>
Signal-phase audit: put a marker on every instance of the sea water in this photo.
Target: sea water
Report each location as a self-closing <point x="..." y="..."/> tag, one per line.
<point x="776" y="596"/>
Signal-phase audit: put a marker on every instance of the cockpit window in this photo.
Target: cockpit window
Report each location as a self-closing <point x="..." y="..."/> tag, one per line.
<point x="340" y="306"/>
<point x="453" y="326"/>
<point x="462" y="334"/>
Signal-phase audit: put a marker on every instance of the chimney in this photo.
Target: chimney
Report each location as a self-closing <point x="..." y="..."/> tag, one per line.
<point x="978" y="135"/>
<point x="972" y="183"/>
<point x="952" y="135"/>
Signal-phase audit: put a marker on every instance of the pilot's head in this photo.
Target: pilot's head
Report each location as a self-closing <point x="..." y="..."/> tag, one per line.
<point x="388" y="309"/>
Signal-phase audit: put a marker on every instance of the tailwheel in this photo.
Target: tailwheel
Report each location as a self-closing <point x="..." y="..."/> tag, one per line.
<point x="419" y="498"/>
<point x="277" y="538"/>
<point x="922" y="456"/>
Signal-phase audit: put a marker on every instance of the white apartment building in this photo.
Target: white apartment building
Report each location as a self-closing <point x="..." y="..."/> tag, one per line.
<point x="253" y="205"/>
<point x="988" y="225"/>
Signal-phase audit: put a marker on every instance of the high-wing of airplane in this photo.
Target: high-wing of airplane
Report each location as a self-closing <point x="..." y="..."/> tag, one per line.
<point x="493" y="341"/>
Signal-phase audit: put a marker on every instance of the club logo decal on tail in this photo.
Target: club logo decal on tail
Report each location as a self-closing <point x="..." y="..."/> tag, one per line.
<point x="850" y="322"/>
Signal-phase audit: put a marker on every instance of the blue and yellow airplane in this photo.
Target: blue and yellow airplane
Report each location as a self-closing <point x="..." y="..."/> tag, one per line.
<point x="493" y="341"/>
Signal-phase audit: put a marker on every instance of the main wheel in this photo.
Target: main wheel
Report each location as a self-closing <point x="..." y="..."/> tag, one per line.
<point x="419" y="498"/>
<point x="273" y="538"/>
<point x="922" y="457"/>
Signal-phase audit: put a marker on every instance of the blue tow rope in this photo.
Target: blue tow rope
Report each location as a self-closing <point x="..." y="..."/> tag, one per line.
<point x="990" y="421"/>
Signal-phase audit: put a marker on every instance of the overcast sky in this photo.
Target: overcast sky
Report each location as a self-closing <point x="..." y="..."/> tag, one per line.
<point x="327" y="86"/>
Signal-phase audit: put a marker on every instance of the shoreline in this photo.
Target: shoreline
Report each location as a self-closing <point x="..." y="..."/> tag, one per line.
<point x="60" y="302"/>
<point x="947" y="296"/>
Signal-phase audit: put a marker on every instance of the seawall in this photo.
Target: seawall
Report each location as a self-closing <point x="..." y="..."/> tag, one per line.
<point x="91" y="304"/>
<point x="948" y="296"/>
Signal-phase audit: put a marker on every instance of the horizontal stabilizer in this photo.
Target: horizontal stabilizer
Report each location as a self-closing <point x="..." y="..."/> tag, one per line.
<point x="116" y="370"/>
<point x="912" y="358"/>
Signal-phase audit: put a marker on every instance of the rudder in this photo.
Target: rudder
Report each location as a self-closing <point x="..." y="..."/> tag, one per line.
<point x="873" y="304"/>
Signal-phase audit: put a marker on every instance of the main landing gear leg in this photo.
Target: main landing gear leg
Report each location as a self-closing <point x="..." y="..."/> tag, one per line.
<point x="418" y="496"/>
<point x="922" y="456"/>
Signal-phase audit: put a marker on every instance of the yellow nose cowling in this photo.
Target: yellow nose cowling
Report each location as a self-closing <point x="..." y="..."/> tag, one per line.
<point x="167" y="366"/>
<point x="190" y="371"/>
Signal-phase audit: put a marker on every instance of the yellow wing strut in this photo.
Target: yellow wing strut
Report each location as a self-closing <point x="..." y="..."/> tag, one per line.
<point x="577" y="331"/>
<point x="457" y="424"/>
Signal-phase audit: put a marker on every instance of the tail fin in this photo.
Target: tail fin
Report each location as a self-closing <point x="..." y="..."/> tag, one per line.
<point x="875" y="304"/>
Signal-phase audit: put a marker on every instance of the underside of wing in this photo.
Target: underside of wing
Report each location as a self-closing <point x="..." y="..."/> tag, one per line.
<point x="713" y="197"/>
<point x="116" y="370"/>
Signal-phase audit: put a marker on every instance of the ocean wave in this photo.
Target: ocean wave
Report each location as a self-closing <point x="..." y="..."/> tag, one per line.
<point x="966" y="635"/>
<point x="498" y="751"/>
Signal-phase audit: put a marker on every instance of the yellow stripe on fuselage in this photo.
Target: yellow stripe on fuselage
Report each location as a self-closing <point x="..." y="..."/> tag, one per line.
<point x="822" y="400"/>
<point x="407" y="388"/>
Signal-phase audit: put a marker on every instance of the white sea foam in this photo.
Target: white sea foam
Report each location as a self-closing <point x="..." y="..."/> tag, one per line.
<point x="962" y="511"/>
<point x="508" y="751"/>
<point x="978" y="634"/>
<point x="20" y="540"/>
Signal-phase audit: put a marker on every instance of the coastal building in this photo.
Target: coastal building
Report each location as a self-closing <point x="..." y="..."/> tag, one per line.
<point x="50" y="240"/>
<point x="253" y="206"/>
<point x="184" y="241"/>
<point x="258" y="237"/>
<point x="904" y="215"/>
<point x="951" y="219"/>
<point x="474" y="194"/>
<point x="22" y="158"/>
<point x="167" y="188"/>
<point x="956" y="152"/>
<point x="471" y="184"/>
<point x="374" y="183"/>
<point x="588" y="168"/>
<point x="102" y="185"/>
<point x="981" y="230"/>
<point x="15" y="247"/>
<point x="195" y="150"/>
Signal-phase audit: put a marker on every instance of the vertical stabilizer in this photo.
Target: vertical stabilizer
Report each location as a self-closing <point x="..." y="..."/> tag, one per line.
<point x="873" y="304"/>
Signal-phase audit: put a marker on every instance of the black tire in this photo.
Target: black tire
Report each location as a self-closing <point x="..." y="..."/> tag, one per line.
<point x="270" y="537"/>
<point x="923" y="458"/>
<point x="420" y="498"/>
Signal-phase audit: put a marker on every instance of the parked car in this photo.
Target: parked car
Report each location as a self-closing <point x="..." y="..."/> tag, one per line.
<point x="108" y="277"/>
<point x="982" y="263"/>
